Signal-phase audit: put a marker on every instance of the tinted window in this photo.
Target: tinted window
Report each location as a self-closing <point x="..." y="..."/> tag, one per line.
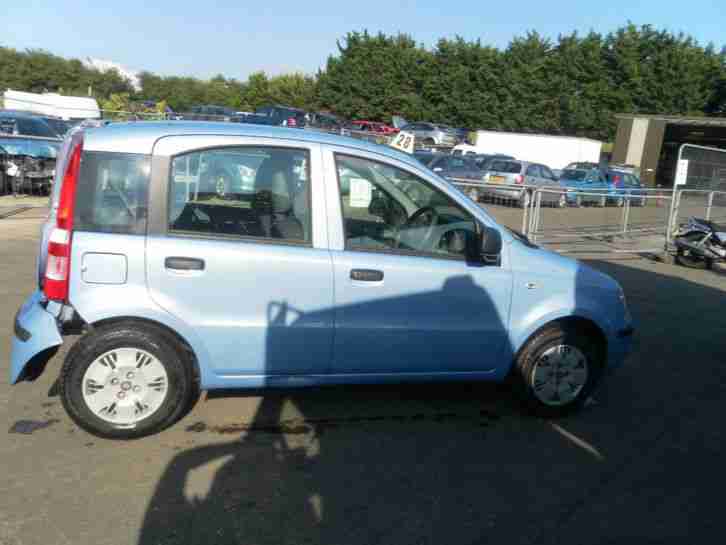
<point x="505" y="166"/>
<point x="112" y="193"/>
<point x="533" y="170"/>
<point x="576" y="175"/>
<point x="391" y="210"/>
<point x="546" y="172"/>
<point x="256" y="192"/>
<point x="425" y="158"/>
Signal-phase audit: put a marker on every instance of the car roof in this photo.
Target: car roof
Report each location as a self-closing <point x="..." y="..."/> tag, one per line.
<point x="140" y="136"/>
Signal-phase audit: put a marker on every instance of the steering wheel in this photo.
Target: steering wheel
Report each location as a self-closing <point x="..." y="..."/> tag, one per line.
<point x="425" y="218"/>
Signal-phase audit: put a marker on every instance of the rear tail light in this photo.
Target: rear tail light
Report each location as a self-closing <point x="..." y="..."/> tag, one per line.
<point x="291" y="122"/>
<point x="618" y="181"/>
<point x="519" y="179"/>
<point x="58" y="264"/>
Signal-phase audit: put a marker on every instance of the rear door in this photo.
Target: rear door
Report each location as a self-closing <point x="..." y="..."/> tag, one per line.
<point x="248" y="269"/>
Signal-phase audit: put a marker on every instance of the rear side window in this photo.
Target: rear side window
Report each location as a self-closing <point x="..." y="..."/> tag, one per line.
<point x="243" y="192"/>
<point x="112" y="193"/>
<point x="506" y="166"/>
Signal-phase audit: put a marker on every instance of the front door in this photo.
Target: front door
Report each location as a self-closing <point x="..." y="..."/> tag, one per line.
<point x="406" y="298"/>
<point x="238" y="260"/>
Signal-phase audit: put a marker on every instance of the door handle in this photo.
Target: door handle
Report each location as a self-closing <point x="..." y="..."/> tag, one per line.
<point x="184" y="263"/>
<point x="366" y="275"/>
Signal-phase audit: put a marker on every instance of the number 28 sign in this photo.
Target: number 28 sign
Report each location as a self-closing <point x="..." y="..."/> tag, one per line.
<point x="403" y="141"/>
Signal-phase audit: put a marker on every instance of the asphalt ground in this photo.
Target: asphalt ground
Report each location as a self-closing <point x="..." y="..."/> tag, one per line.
<point x="438" y="464"/>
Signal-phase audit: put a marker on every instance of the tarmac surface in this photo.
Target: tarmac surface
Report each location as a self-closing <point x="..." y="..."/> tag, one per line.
<point x="437" y="464"/>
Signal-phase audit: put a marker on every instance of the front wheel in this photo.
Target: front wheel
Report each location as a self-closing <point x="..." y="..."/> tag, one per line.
<point x="558" y="369"/>
<point x="688" y="258"/>
<point x="124" y="381"/>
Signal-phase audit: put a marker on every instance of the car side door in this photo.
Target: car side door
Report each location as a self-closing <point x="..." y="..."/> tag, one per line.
<point x="237" y="250"/>
<point x="408" y="300"/>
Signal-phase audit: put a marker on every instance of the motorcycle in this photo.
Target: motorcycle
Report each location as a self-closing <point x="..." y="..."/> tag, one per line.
<point x="700" y="243"/>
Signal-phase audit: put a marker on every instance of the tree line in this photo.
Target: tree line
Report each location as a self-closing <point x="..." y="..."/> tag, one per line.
<point x="570" y="85"/>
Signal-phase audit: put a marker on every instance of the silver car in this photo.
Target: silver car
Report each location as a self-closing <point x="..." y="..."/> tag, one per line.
<point x="517" y="180"/>
<point x="432" y="135"/>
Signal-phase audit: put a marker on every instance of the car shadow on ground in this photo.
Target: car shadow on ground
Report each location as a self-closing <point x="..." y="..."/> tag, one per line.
<point x="461" y="464"/>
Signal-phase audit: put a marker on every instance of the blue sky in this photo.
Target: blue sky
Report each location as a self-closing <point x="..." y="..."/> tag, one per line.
<point x="235" y="38"/>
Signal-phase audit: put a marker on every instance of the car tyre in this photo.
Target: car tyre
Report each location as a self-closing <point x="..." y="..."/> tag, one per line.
<point x="686" y="259"/>
<point x="94" y="348"/>
<point x="557" y="370"/>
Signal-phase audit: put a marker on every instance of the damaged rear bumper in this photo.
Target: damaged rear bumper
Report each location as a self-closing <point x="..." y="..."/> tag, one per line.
<point x="35" y="335"/>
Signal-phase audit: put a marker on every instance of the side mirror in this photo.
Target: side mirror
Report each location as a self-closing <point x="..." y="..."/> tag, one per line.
<point x="491" y="244"/>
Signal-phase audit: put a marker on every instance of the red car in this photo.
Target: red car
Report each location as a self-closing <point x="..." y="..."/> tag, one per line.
<point x="373" y="126"/>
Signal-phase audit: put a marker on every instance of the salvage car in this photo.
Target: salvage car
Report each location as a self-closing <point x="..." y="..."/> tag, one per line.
<point x="516" y="181"/>
<point x="172" y="291"/>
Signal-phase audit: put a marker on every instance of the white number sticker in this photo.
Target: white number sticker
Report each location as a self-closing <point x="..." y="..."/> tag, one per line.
<point x="361" y="193"/>
<point x="404" y="141"/>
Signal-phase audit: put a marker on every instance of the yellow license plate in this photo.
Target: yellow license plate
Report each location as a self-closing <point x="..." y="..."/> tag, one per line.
<point x="496" y="179"/>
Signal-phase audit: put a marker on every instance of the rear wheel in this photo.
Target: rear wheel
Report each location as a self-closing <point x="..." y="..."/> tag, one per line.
<point x="557" y="369"/>
<point x="124" y="381"/>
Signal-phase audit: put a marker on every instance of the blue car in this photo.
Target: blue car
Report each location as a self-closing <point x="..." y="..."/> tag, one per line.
<point x="585" y="186"/>
<point x="622" y="185"/>
<point x="288" y="281"/>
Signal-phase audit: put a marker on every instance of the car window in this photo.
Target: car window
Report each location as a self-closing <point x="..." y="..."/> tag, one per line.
<point x="425" y="158"/>
<point x="533" y="170"/>
<point x="247" y="192"/>
<point x="391" y="210"/>
<point x="458" y="163"/>
<point x="112" y="193"/>
<point x="575" y="175"/>
<point x="505" y="166"/>
<point x="546" y="172"/>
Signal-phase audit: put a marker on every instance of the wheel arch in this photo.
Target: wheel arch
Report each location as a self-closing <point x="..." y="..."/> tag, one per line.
<point x="187" y="346"/>
<point x="576" y="321"/>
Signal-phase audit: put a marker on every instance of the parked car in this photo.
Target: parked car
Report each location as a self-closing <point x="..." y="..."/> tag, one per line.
<point x="57" y="124"/>
<point x="516" y="181"/>
<point x="372" y="126"/>
<point x="18" y="123"/>
<point x="624" y="184"/>
<point x="430" y="134"/>
<point x="325" y="121"/>
<point x="173" y="291"/>
<point x="284" y="116"/>
<point x="585" y="186"/>
<point x="582" y="165"/>
<point x="451" y="166"/>
<point x="483" y="159"/>
<point x="210" y="112"/>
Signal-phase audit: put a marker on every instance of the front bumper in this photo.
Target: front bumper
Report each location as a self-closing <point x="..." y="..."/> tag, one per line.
<point x="35" y="331"/>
